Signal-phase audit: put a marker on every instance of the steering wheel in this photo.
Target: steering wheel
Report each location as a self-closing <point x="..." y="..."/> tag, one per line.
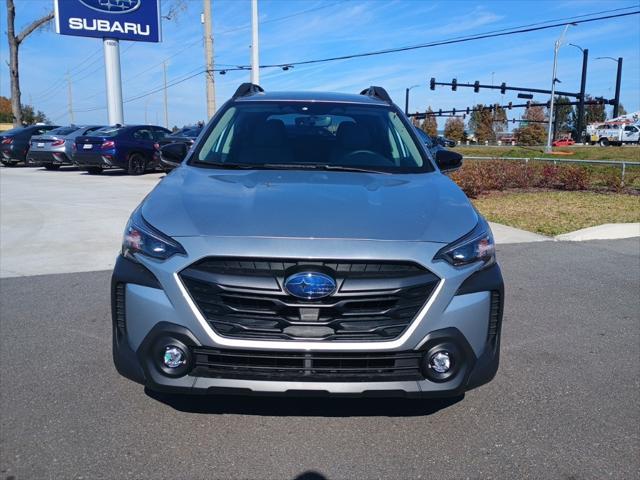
<point x="370" y="158"/>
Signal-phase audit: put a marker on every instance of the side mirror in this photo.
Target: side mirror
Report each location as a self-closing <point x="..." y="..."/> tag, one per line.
<point x="448" y="161"/>
<point x="172" y="155"/>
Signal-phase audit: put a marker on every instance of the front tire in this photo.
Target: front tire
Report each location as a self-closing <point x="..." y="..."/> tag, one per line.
<point x="94" y="170"/>
<point x="51" y="166"/>
<point x="603" y="142"/>
<point x="9" y="163"/>
<point x="137" y="164"/>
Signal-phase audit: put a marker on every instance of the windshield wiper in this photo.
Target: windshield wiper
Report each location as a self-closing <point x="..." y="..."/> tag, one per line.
<point x="343" y="168"/>
<point x="230" y="166"/>
<point x="320" y="166"/>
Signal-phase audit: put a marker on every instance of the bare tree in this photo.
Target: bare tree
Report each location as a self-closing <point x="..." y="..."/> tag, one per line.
<point x="14" y="45"/>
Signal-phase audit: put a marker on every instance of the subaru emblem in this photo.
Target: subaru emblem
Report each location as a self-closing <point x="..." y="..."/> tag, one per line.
<point x="310" y="285"/>
<point x="112" y="6"/>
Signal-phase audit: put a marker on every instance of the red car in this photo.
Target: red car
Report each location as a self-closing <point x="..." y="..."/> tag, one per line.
<point x="563" y="142"/>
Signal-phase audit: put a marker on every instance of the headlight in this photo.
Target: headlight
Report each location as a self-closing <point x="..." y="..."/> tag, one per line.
<point x="140" y="237"/>
<point x="477" y="246"/>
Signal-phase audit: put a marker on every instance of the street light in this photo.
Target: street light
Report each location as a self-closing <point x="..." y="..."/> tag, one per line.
<point x="406" y="98"/>
<point x="616" y="105"/>
<point x="557" y="46"/>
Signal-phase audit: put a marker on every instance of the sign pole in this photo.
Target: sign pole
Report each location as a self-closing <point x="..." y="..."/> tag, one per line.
<point x="255" y="63"/>
<point x="113" y="80"/>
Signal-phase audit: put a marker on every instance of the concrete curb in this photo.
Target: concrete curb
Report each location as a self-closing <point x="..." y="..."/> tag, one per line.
<point x="608" y="231"/>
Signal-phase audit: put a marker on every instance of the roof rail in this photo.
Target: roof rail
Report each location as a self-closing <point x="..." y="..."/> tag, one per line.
<point x="247" y="89"/>
<point x="377" y="92"/>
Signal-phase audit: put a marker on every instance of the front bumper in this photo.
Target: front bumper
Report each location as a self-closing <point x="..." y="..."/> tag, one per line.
<point x="149" y="308"/>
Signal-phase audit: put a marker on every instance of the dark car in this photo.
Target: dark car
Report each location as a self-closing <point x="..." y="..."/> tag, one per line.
<point x="55" y="148"/>
<point x="14" y="143"/>
<point x="130" y="147"/>
<point x="186" y="135"/>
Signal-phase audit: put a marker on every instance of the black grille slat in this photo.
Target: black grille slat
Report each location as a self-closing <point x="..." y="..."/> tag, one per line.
<point x="244" y="298"/>
<point x="305" y="366"/>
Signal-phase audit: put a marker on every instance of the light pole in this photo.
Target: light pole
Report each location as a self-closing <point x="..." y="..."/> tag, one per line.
<point x="406" y="98"/>
<point x="557" y="46"/>
<point x="616" y="105"/>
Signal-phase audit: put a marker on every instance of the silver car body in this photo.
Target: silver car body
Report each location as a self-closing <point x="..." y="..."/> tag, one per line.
<point x="293" y="214"/>
<point x="47" y="149"/>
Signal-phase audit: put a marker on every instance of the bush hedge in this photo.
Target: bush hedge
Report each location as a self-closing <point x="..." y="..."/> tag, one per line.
<point x="478" y="176"/>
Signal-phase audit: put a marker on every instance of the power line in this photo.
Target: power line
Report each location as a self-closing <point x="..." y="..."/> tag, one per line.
<point x="480" y="36"/>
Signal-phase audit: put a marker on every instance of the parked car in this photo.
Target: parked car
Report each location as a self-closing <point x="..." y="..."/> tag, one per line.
<point x="130" y="147"/>
<point x="186" y="135"/>
<point x="444" y="141"/>
<point x="308" y="243"/>
<point x="14" y="143"/>
<point x="430" y="142"/>
<point x="563" y="142"/>
<point x="55" y="148"/>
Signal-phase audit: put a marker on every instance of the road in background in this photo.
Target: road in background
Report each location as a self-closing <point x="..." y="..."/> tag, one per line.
<point x="565" y="402"/>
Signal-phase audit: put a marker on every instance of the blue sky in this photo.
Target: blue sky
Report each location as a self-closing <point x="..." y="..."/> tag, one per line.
<point x="324" y="28"/>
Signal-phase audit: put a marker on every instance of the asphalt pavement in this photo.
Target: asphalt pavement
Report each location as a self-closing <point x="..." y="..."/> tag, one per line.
<point x="565" y="403"/>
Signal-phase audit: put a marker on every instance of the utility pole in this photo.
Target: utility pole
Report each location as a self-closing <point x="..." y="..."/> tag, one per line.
<point x="557" y="46"/>
<point x="583" y="85"/>
<point x="208" y="56"/>
<point x="71" y="120"/>
<point x="616" y="107"/>
<point x="166" y="101"/>
<point x="255" y="62"/>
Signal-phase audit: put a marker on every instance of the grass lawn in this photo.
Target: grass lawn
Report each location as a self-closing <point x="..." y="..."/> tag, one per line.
<point x="556" y="212"/>
<point x="627" y="152"/>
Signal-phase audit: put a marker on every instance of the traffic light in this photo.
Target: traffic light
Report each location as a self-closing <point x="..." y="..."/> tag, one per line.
<point x="476" y="86"/>
<point x="510" y="105"/>
<point x="528" y="103"/>
<point x="503" y="88"/>
<point x="468" y="110"/>
<point x="432" y="83"/>
<point x="454" y="84"/>
<point x="440" y="112"/>
<point x="453" y="112"/>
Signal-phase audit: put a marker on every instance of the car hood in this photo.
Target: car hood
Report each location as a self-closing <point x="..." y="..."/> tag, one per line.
<point x="302" y="204"/>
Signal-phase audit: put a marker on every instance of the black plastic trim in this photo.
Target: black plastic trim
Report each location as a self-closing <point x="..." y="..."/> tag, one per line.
<point x="487" y="279"/>
<point x="377" y="92"/>
<point x="246" y="89"/>
<point x="128" y="271"/>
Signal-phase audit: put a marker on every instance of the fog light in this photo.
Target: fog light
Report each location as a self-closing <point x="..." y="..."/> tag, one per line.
<point x="174" y="357"/>
<point x="440" y="362"/>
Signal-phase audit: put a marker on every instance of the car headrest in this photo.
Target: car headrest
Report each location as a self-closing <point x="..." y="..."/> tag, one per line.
<point x="353" y="136"/>
<point x="271" y="133"/>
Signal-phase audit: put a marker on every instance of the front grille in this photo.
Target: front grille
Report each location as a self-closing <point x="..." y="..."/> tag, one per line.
<point x="307" y="367"/>
<point x="246" y="299"/>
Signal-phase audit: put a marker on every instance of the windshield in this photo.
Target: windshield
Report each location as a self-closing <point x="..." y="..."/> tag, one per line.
<point x="311" y="135"/>
<point x="62" y="130"/>
<point x="108" y="131"/>
<point x="187" y="132"/>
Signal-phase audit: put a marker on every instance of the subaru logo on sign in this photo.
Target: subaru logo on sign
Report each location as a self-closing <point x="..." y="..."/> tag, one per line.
<point x="310" y="285"/>
<point x="112" y="6"/>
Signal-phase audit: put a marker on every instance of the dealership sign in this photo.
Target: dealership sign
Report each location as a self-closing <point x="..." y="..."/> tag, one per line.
<point x="136" y="20"/>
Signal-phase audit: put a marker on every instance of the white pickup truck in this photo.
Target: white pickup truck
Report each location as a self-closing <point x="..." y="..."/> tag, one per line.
<point x="613" y="134"/>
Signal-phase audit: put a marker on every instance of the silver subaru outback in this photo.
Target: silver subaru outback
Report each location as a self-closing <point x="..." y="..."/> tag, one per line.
<point x="308" y="243"/>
